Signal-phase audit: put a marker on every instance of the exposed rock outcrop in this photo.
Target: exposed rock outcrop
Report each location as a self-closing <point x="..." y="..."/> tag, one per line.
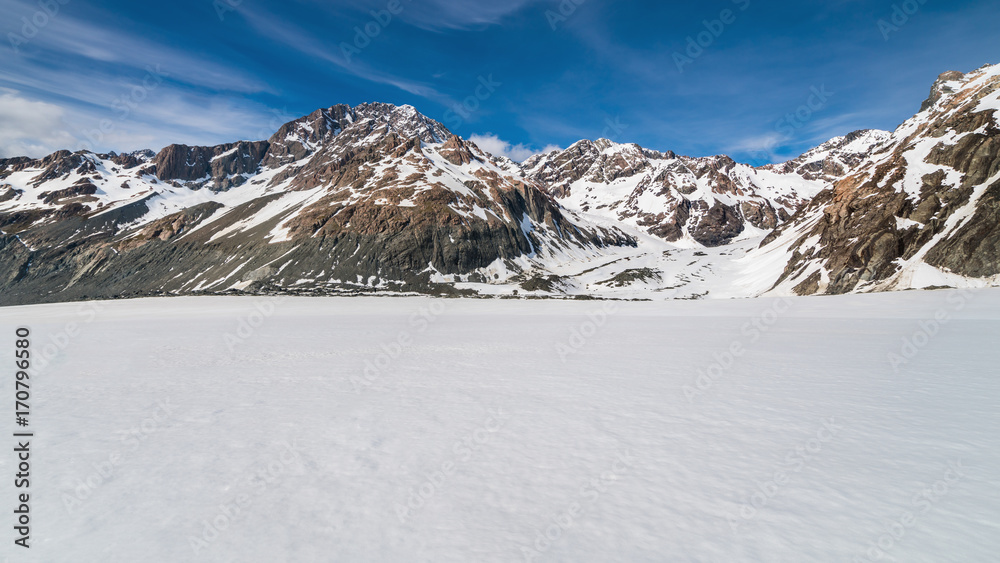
<point x="217" y="168"/>
<point x="928" y="197"/>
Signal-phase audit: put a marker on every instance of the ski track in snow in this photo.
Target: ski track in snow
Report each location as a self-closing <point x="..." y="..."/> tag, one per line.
<point x="549" y="436"/>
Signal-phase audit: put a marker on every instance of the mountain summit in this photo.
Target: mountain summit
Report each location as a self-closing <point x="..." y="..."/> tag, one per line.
<point x="381" y="198"/>
<point x="922" y="210"/>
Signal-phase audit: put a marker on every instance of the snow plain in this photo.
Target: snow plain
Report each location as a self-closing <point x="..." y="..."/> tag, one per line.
<point x="412" y="429"/>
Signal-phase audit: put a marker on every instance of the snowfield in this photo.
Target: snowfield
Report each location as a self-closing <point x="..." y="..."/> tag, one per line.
<point x="854" y="428"/>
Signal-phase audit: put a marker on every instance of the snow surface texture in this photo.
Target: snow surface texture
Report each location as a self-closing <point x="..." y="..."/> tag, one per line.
<point x="593" y="422"/>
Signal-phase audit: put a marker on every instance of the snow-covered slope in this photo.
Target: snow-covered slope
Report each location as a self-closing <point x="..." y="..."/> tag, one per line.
<point x="921" y="211"/>
<point x="413" y="429"/>
<point x="832" y="160"/>
<point x="375" y="196"/>
<point x="381" y="198"/>
<point x="708" y="201"/>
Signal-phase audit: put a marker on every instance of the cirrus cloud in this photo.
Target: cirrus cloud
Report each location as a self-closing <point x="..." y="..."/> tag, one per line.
<point x="30" y="128"/>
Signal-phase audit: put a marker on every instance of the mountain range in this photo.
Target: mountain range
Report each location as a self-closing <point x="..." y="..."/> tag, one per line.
<point x="380" y="198"/>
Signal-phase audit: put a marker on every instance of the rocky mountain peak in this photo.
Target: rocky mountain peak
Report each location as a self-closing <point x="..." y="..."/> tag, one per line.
<point x="945" y="84"/>
<point x="404" y="120"/>
<point x="830" y="161"/>
<point x="458" y="151"/>
<point x="378" y="196"/>
<point x="300" y="137"/>
<point x="709" y="201"/>
<point x="131" y="159"/>
<point x="364" y="123"/>
<point x="920" y="210"/>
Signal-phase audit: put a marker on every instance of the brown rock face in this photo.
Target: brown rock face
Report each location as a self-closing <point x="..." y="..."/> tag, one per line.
<point x="456" y="151"/>
<point x="760" y="214"/>
<point x="77" y="190"/>
<point x="57" y="165"/>
<point x="939" y="88"/>
<point x="295" y="140"/>
<point x="8" y="193"/>
<point x="872" y="223"/>
<point x="394" y="200"/>
<point x="717" y="225"/>
<point x="131" y="160"/>
<point x="169" y="227"/>
<point x="221" y="167"/>
<point x="974" y="250"/>
<point x="670" y="225"/>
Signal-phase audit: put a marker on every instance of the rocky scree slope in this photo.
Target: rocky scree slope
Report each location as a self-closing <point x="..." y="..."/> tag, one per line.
<point x="922" y="211"/>
<point x="379" y="197"/>
<point x="371" y="197"/>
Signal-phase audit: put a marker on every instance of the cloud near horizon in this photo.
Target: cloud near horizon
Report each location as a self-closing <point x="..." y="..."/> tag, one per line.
<point x="228" y="73"/>
<point x="498" y="147"/>
<point x="30" y="128"/>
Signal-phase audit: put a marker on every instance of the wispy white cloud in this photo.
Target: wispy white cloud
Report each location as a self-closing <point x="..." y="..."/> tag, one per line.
<point x="66" y="44"/>
<point x="88" y="84"/>
<point x="762" y="147"/>
<point x="463" y="14"/>
<point x="294" y="36"/>
<point x="498" y="147"/>
<point x="30" y="128"/>
<point x="442" y="15"/>
<point x="780" y="146"/>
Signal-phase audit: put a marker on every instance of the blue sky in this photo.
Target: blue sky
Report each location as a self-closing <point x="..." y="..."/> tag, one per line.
<point x="518" y="76"/>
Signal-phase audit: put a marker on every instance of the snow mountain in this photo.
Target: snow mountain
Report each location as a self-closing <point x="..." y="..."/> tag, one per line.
<point x="921" y="211"/>
<point x="379" y="198"/>
<point x="708" y="200"/>
<point x="372" y="197"/>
